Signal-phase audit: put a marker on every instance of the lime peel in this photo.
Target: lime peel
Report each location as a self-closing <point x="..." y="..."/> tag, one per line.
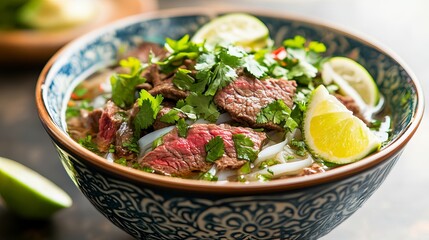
<point x="29" y="194"/>
<point x="240" y="29"/>
<point x="333" y="133"/>
<point x="353" y="80"/>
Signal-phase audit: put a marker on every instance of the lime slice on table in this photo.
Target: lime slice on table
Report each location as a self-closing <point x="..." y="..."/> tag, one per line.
<point x="353" y="80"/>
<point x="236" y="28"/>
<point x="333" y="133"/>
<point x="29" y="194"/>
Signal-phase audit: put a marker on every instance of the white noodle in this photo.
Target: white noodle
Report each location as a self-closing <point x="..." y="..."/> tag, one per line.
<point x="223" y="118"/>
<point x="281" y="169"/>
<point x="146" y="141"/>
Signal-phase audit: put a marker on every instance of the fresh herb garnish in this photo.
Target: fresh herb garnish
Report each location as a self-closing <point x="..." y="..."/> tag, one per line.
<point x="182" y="128"/>
<point x="244" y="147"/>
<point x="171" y="116"/>
<point x="89" y="144"/>
<point x="180" y="50"/>
<point x="208" y="177"/>
<point x="157" y="142"/>
<point x="299" y="147"/>
<point x="245" y="169"/>
<point x="268" y="163"/>
<point x="132" y="146"/>
<point x="124" y="84"/>
<point x="122" y="161"/>
<point x="74" y="110"/>
<point x="215" y="149"/>
<point x="149" y="107"/>
<point x="279" y="113"/>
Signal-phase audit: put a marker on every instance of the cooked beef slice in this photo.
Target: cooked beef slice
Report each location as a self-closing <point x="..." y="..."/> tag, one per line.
<point x="124" y="139"/>
<point x="85" y="124"/>
<point x="166" y="107"/>
<point x="351" y="105"/>
<point x="182" y="157"/>
<point x="168" y="90"/>
<point x="244" y="98"/>
<point x="109" y="122"/>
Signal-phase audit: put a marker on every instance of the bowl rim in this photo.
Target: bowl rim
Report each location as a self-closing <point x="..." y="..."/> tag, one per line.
<point x="144" y="178"/>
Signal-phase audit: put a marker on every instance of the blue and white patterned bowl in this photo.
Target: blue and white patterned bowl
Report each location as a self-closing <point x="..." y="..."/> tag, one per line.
<point x="149" y="206"/>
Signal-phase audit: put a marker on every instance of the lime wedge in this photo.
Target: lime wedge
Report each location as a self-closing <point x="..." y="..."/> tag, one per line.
<point x="29" y="194"/>
<point x="333" y="133"/>
<point x="236" y="28"/>
<point x="353" y="80"/>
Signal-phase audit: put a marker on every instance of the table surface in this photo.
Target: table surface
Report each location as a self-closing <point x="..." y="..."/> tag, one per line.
<point x="398" y="210"/>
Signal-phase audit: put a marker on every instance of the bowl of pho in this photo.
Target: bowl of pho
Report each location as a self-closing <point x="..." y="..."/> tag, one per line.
<point x="227" y="124"/>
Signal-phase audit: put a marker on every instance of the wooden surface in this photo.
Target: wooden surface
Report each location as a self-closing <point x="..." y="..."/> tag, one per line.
<point x="398" y="210"/>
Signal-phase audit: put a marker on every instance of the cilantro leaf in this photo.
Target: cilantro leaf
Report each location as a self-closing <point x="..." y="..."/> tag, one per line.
<point x="296" y="42"/>
<point x="299" y="147"/>
<point x="215" y="149"/>
<point x="205" y="61"/>
<point x="208" y="177"/>
<point x="277" y="112"/>
<point x="89" y="144"/>
<point x="180" y="50"/>
<point x="182" y="80"/>
<point x="253" y="67"/>
<point x="149" y="107"/>
<point x="124" y="84"/>
<point x="182" y="128"/>
<point x="244" y="147"/>
<point x="223" y="74"/>
<point x="157" y="142"/>
<point x="201" y="105"/>
<point x="171" y="116"/>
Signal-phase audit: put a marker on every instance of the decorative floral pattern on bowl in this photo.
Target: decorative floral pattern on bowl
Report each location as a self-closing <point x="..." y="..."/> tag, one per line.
<point x="148" y="212"/>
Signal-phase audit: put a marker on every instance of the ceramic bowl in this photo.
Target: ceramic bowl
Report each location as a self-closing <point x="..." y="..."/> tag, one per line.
<point x="149" y="206"/>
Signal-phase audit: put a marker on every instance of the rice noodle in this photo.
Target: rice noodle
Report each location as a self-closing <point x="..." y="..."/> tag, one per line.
<point x="146" y="141"/>
<point x="223" y="118"/>
<point x="281" y="169"/>
<point x="273" y="150"/>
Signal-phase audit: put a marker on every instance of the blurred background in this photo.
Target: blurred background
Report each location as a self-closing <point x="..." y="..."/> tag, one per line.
<point x="398" y="210"/>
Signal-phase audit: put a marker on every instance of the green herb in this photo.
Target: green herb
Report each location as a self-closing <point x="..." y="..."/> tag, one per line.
<point x="146" y="169"/>
<point x="180" y="50"/>
<point x="111" y="148"/>
<point x="124" y="84"/>
<point x="182" y="128"/>
<point x="157" y="142"/>
<point x="170" y="117"/>
<point x="208" y="177"/>
<point x="215" y="149"/>
<point x="244" y="147"/>
<point x="79" y="92"/>
<point x="245" y="169"/>
<point x="268" y="163"/>
<point x="264" y="177"/>
<point x="182" y="80"/>
<point x="253" y="67"/>
<point x="132" y="146"/>
<point x="89" y="144"/>
<point x="299" y="147"/>
<point x="375" y="124"/>
<point x="202" y="106"/>
<point x="122" y="161"/>
<point x="74" y="111"/>
<point x="279" y="113"/>
<point x="149" y="107"/>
